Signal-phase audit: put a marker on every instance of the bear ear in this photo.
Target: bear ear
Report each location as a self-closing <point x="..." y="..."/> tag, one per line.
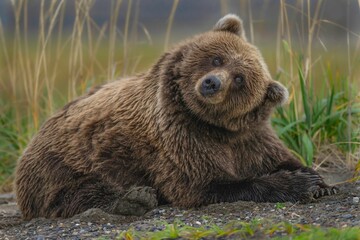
<point x="277" y="93"/>
<point x="231" y="23"/>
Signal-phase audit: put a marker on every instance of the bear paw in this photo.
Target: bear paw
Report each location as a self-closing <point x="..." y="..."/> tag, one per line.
<point x="306" y="184"/>
<point x="321" y="189"/>
<point x="313" y="185"/>
<point x="137" y="201"/>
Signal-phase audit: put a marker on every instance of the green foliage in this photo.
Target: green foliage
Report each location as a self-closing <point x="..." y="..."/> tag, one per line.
<point x="324" y="120"/>
<point x="180" y="230"/>
<point x="279" y="205"/>
<point x="327" y="234"/>
<point x="240" y="230"/>
<point x="11" y="144"/>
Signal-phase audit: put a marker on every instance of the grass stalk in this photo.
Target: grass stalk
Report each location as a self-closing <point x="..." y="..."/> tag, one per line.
<point x="169" y="25"/>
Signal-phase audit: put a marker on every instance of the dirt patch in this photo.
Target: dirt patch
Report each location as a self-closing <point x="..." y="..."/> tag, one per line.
<point x="340" y="210"/>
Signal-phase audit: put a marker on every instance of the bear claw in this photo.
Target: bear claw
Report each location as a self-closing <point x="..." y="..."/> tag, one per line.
<point x="325" y="191"/>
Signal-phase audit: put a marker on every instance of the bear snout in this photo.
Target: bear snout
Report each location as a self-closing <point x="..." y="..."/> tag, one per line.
<point x="210" y="85"/>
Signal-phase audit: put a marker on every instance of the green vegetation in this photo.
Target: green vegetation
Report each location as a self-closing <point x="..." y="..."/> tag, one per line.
<point x="279" y="205"/>
<point x="242" y="230"/>
<point x="332" y="119"/>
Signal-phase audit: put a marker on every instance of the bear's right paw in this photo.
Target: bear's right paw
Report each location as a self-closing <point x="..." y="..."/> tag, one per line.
<point x="137" y="201"/>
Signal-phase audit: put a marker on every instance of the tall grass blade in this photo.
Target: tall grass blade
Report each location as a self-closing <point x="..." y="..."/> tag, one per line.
<point x="305" y="99"/>
<point x="170" y="22"/>
<point x="308" y="149"/>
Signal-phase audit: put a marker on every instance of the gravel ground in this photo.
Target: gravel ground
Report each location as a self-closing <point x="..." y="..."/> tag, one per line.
<point x="342" y="210"/>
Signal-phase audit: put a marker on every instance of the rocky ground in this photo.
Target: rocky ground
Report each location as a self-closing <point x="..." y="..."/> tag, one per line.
<point x="341" y="210"/>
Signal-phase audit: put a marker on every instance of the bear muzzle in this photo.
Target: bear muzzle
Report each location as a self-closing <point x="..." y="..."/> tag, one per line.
<point x="210" y="85"/>
<point x="212" y="88"/>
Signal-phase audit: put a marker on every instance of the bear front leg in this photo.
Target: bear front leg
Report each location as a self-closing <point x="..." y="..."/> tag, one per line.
<point x="281" y="186"/>
<point x="280" y="158"/>
<point x="295" y="186"/>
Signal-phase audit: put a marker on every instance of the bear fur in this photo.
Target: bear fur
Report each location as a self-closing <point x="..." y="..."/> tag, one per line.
<point x="193" y="130"/>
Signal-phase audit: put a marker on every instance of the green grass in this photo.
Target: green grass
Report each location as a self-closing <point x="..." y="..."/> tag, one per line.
<point x="257" y="229"/>
<point x="323" y="119"/>
<point x="12" y="143"/>
<point x="328" y="234"/>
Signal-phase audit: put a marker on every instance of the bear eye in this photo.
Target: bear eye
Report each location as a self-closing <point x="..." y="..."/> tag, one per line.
<point x="217" y="61"/>
<point x="239" y="79"/>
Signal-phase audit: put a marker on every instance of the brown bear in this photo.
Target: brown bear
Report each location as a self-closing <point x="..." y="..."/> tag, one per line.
<point x="193" y="130"/>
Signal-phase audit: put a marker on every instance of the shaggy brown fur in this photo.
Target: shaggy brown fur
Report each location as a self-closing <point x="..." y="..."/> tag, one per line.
<point x="195" y="128"/>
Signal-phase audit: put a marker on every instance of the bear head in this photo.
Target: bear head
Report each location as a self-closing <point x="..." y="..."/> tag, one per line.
<point x="220" y="78"/>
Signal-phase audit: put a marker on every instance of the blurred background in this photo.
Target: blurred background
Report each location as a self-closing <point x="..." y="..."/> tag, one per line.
<point x="52" y="51"/>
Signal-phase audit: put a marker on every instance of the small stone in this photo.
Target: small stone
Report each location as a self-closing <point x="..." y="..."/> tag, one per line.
<point x="355" y="199"/>
<point x="347" y="216"/>
<point x="28" y="224"/>
<point x="198" y="223"/>
<point x="7" y="198"/>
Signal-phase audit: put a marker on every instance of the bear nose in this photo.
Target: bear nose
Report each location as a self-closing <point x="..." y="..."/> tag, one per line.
<point x="210" y="85"/>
